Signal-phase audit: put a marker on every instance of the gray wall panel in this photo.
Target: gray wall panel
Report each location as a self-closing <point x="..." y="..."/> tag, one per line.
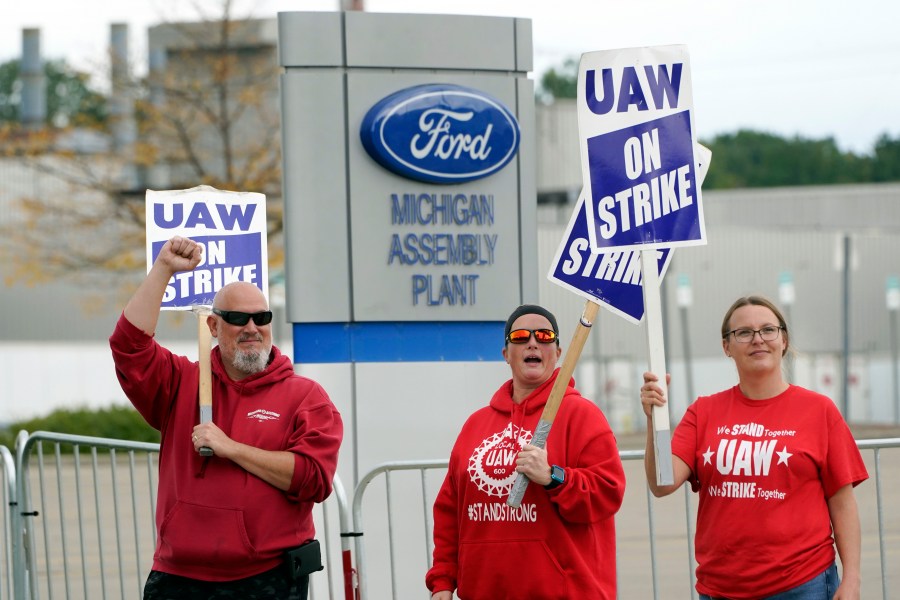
<point x="440" y="41"/>
<point x="310" y="39"/>
<point x="527" y="190"/>
<point x="754" y="235"/>
<point x="558" y="152"/>
<point x="524" y="45"/>
<point x="315" y="203"/>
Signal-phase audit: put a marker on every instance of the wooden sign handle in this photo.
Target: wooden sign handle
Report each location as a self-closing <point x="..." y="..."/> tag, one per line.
<point x="204" y="348"/>
<point x="556" y="394"/>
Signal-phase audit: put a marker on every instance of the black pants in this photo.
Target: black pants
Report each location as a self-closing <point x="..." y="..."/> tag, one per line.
<point x="271" y="585"/>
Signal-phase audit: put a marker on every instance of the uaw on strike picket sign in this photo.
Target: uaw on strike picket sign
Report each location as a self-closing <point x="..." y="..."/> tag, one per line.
<point x="231" y="227"/>
<point x="636" y="127"/>
<point x="612" y="278"/>
<point x="640" y="195"/>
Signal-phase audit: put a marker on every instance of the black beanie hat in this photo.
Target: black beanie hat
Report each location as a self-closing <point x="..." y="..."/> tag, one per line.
<point x="530" y="309"/>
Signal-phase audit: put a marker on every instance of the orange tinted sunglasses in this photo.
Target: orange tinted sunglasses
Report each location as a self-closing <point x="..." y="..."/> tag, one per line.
<point x="521" y="336"/>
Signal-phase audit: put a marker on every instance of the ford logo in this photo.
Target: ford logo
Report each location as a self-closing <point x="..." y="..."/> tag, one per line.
<point x="440" y="133"/>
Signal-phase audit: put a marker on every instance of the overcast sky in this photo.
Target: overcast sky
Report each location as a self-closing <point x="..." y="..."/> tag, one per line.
<point x="814" y="68"/>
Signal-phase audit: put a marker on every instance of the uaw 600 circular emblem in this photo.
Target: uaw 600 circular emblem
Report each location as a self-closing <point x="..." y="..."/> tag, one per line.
<point x="440" y="133"/>
<point x="492" y="465"/>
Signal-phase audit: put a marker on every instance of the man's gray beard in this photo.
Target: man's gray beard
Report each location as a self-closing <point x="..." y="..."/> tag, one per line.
<point x="251" y="362"/>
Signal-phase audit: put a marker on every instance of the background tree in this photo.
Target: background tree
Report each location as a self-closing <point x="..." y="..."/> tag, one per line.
<point x="114" y="421"/>
<point x="749" y="158"/>
<point x="206" y="114"/>
<point x="886" y="162"/>
<point x="70" y="98"/>
<point x="561" y="82"/>
<point x="754" y="159"/>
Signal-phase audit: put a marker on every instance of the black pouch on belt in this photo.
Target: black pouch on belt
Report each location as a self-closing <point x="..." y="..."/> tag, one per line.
<point x="303" y="560"/>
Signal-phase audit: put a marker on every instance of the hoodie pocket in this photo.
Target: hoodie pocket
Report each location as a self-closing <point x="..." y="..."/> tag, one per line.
<point x="510" y="569"/>
<point x="203" y="535"/>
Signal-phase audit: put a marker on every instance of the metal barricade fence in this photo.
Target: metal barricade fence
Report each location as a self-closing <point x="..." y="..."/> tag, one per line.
<point x="409" y="494"/>
<point x="339" y="573"/>
<point x="72" y="534"/>
<point x="398" y="552"/>
<point x="86" y="527"/>
<point x="8" y="495"/>
<point x="888" y="530"/>
<point x="84" y="524"/>
<point x="654" y="537"/>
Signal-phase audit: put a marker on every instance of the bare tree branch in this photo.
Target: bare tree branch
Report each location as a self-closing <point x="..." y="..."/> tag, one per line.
<point x="213" y="120"/>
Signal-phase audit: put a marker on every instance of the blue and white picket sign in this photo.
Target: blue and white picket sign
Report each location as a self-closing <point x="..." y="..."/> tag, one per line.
<point x="231" y="227"/>
<point x="636" y="128"/>
<point x="611" y="278"/>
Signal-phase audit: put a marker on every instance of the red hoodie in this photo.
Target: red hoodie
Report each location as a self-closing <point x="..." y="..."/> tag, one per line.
<point x="216" y="521"/>
<point x="559" y="543"/>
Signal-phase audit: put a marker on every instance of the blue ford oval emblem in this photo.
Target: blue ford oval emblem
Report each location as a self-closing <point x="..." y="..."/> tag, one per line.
<point x="440" y="133"/>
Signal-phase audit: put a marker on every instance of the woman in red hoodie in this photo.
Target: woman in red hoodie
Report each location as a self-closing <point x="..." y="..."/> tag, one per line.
<point x="561" y="542"/>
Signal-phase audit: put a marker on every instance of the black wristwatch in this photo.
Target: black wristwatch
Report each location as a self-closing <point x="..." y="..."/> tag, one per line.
<point x="557" y="477"/>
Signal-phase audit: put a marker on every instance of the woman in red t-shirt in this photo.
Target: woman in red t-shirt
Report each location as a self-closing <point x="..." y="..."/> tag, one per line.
<point x="774" y="464"/>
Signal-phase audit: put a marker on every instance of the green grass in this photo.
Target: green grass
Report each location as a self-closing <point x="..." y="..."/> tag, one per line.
<point x="117" y="422"/>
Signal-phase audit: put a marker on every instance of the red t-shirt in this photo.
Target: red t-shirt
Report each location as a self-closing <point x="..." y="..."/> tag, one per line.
<point x="764" y="470"/>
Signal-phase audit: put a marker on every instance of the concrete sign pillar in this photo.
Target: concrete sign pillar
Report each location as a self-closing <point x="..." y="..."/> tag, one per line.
<point x="410" y="200"/>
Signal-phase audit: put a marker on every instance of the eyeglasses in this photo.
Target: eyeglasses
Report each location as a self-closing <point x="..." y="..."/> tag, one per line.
<point x="236" y="317"/>
<point x="769" y="333"/>
<point x="521" y="336"/>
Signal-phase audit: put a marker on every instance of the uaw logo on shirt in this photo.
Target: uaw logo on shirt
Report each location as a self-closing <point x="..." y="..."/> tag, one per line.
<point x="738" y="457"/>
<point x="492" y="467"/>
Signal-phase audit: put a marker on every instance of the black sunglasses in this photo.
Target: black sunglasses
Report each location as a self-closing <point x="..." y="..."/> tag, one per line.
<point x="521" y="336"/>
<point x="236" y="317"/>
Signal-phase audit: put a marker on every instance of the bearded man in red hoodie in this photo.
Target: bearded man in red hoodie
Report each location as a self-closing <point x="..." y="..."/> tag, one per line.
<point x="225" y="522"/>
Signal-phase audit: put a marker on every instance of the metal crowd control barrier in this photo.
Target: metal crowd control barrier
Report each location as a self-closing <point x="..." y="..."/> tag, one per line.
<point x="390" y="546"/>
<point x="8" y="495"/>
<point x="80" y="538"/>
<point x="86" y="528"/>
<point x="667" y="542"/>
<point x="393" y="547"/>
<point x="325" y="529"/>
<point x="75" y="535"/>
<point x="876" y="446"/>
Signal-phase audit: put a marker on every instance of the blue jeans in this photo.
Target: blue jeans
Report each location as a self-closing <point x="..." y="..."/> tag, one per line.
<point x="821" y="587"/>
